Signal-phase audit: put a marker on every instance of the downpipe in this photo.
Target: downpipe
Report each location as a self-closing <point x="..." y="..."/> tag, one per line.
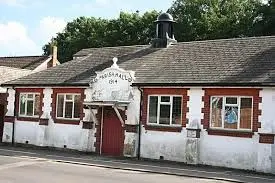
<point x="139" y="124"/>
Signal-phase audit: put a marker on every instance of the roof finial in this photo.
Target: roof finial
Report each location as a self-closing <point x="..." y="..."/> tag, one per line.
<point x="115" y="59"/>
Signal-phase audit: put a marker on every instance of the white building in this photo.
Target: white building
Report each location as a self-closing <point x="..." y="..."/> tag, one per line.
<point x="203" y="102"/>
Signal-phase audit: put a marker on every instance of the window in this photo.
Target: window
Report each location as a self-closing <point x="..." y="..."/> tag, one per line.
<point x="68" y="106"/>
<point x="29" y="105"/>
<point x="165" y="110"/>
<point x="231" y="112"/>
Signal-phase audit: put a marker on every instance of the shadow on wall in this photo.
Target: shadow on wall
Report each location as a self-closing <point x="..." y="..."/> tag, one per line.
<point x="257" y="69"/>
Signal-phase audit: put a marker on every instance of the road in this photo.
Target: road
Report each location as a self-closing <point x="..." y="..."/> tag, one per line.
<point x="37" y="170"/>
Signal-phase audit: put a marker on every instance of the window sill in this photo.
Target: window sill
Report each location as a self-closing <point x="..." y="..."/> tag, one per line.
<point x="230" y="133"/>
<point x="28" y="118"/>
<point x="163" y="128"/>
<point x="67" y="121"/>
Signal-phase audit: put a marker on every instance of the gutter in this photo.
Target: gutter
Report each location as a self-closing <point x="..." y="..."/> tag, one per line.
<point x="204" y="84"/>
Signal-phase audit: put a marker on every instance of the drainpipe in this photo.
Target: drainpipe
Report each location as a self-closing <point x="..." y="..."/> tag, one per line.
<point x="14" y="114"/>
<point x="139" y="124"/>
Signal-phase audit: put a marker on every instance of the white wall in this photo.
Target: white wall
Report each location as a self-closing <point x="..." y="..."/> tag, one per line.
<point x="42" y="66"/>
<point x="7" y="132"/>
<point x="267" y="106"/>
<point x="133" y="109"/>
<point x="8" y="127"/>
<point x="55" y="135"/>
<point x="67" y="135"/>
<point x="26" y="131"/>
<point x="195" y="104"/>
<point x="273" y="159"/>
<point x="234" y="152"/>
<point x="130" y="144"/>
<point x="11" y="100"/>
<point x="170" y="145"/>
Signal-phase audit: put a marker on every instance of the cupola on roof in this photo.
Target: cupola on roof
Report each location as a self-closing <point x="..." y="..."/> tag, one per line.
<point x="165" y="17"/>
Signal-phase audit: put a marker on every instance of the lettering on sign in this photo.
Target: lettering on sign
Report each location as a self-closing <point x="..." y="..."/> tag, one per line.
<point x="114" y="77"/>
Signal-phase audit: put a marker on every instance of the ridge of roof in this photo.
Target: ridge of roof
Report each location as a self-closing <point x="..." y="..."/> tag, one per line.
<point x="36" y="56"/>
<point x="224" y="39"/>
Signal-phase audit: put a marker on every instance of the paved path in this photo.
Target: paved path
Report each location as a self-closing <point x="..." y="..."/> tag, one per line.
<point x="140" y="167"/>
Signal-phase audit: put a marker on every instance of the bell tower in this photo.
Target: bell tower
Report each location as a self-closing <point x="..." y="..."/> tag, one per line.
<point x="164" y="31"/>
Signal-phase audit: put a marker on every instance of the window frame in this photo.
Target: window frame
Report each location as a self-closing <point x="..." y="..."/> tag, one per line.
<point x="19" y="102"/>
<point x="158" y="110"/>
<point x="239" y="113"/>
<point x="64" y="105"/>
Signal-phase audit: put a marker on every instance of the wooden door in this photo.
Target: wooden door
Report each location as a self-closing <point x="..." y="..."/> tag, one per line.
<point x="112" y="134"/>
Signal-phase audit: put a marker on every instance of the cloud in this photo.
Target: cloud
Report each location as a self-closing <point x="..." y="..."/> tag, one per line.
<point x="102" y="2"/>
<point x="13" y="2"/>
<point x="23" y="3"/>
<point x="102" y="8"/>
<point x="49" y="26"/>
<point x="14" y="40"/>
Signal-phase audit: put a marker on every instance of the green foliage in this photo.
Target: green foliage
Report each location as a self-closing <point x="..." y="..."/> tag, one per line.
<point x="213" y="19"/>
<point x="266" y="23"/>
<point x="88" y="32"/>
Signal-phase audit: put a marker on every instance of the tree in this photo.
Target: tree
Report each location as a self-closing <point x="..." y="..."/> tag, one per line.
<point x="266" y="23"/>
<point x="87" y="32"/>
<point x="213" y="19"/>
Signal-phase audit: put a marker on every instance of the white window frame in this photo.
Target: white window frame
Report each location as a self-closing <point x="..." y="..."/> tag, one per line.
<point x="28" y="99"/>
<point x="239" y="109"/>
<point x="158" y="109"/>
<point x="64" y="105"/>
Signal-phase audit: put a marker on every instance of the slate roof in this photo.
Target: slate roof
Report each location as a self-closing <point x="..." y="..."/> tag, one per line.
<point x="23" y="62"/>
<point x="240" y="61"/>
<point x="11" y="73"/>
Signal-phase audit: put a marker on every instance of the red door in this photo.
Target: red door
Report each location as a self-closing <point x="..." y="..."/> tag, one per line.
<point x="2" y="113"/>
<point x="112" y="134"/>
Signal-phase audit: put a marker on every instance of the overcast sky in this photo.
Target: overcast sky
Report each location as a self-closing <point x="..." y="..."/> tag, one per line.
<point x="26" y="25"/>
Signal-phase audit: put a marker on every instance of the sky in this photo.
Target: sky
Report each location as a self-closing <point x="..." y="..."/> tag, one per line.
<point x="26" y="25"/>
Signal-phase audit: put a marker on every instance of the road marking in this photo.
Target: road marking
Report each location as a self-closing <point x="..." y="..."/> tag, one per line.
<point x="141" y="165"/>
<point x="19" y="164"/>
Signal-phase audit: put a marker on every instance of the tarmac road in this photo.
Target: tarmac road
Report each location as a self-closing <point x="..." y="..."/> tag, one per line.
<point x="37" y="170"/>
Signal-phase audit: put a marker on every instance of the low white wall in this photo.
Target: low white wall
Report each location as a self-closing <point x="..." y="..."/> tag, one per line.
<point x="26" y="131"/>
<point x="170" y="145"/>
<point x="70" y="136"/>
<point x="233" y="152"/>
<point x="264" y="161"/>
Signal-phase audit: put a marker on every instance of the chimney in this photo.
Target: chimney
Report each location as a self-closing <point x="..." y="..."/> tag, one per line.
<point x="54" y="56"/>
<point x="164" y="31"/>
